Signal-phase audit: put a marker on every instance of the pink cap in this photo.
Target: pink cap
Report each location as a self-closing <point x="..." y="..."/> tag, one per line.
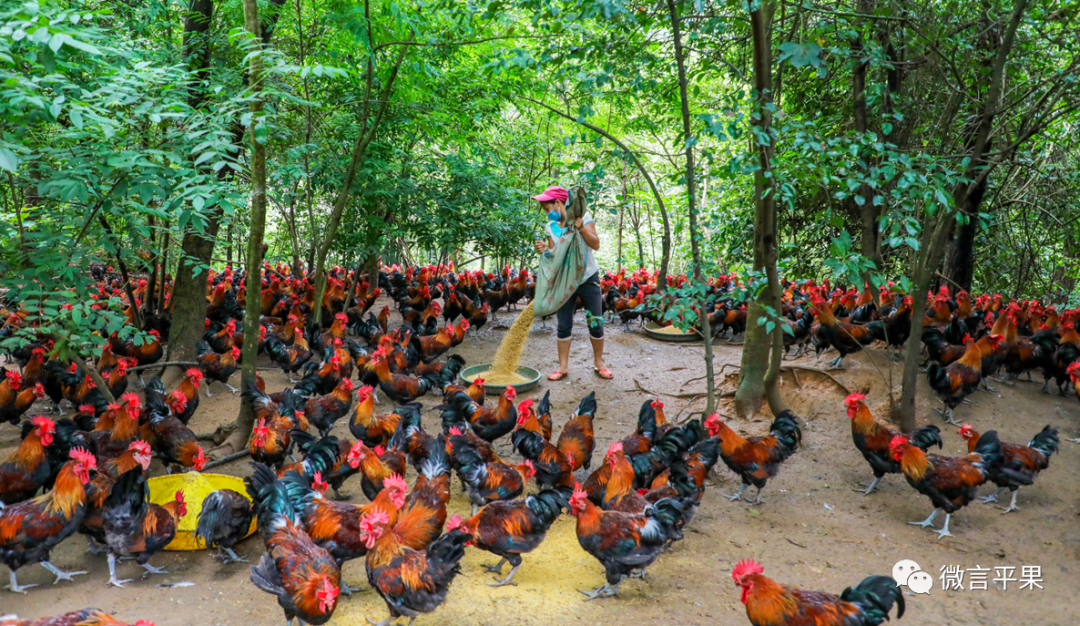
<point x="552" y="193"/>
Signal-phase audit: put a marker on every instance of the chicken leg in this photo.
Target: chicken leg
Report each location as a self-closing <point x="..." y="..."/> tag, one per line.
<point x="870" y="487"/>
<point x="928" y="521"/>
<point x="506" y="581"/>
<point x="1012" y="505"/>
<point x="228" y="556"/>
<point x="496" y="568"/>
<point x="60" y="574"/>
<point x="737" y="496"/>
<point x="602" y="592"/>
<point x="947" y="412"/>
<point x="992" y="497"/>
<point x="112" y="573"/>
<point x="347" y="589"/>
<point x="150" y="569"/>
<point x="944" y="532"/>
<point x="14" y="585"/>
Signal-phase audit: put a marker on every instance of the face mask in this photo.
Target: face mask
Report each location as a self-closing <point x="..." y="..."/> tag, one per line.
<point x="554" y="215"/>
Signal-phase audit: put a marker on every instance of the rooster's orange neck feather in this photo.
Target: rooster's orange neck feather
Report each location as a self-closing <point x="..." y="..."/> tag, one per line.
<point x="914" y="462"/>
<point x="30" y="453"/>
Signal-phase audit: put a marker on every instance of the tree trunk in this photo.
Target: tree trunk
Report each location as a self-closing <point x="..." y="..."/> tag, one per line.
<point x="762" y="351"/>
<point x="868" y="213"/>
<point x="637" y="232"/>
<point x="363" y="139"/>
<point x="960" y="262"/>
<point x="189" y="290"/>
<point x="936" y="233"/>
<point x="622" y="214"/>
<point x="704" y="305"/>
<point x="249" y="353"/>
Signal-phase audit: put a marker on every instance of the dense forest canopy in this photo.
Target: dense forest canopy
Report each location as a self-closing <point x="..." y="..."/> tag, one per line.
<point x="125" y="133"/>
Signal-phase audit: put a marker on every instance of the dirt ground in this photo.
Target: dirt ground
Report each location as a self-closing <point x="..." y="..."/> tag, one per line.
<point x="813" y="530"/>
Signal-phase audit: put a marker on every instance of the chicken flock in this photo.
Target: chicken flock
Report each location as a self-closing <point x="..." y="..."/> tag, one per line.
<point x="87" y="473"/>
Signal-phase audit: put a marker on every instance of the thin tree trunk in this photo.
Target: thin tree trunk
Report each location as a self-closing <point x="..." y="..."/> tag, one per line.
<point x="249" y="353"/>
<point x="189" y="289"/>
<point x="164" y="270"/>
<point x="760" y="371"/>
<point x="363" y="139"/>
<point x="704" y="304"/>
<point x="932" y="246"/>
<point x="152" y="281"/>
<point x="622" y="213"/>
<point x="868" y="212"/>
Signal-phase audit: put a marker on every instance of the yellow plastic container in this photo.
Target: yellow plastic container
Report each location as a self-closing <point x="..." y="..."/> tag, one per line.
<point x="196" y="487"/>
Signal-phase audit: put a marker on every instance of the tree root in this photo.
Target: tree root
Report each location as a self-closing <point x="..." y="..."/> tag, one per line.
<point x="811" y="369"/>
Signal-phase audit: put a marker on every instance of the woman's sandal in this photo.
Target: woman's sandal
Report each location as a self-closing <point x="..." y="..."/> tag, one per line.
<point x="604" y="373"/>
<point x="557" y="375"/>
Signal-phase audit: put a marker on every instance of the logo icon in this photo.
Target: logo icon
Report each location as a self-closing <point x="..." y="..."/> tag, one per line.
<point x="903" y="569"/>
<point x="920" y="582"/>
<point x="908" y="573"/>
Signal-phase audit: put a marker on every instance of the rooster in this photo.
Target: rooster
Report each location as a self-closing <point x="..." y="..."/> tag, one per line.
<point x="624" y="543"/>
<point x="771" y="604"/>
<point x="447" y="371"/>
<point x="374" y="429"/>
<point x="302" y="576"/>
<point x="117" y="428"/>
<point x="189" y="387"/>
<point x="756" y="459"/>
<point x="146" y="353"/>
<point x="325" y="410"/>
<point x="475" y="390"/>
<point x="172" y="440"/>
<point x="489" y="423"/>
<point x="335" y="526"/>
<point x="223" y="340"/>
<point x="576" y="442"/>
<point x="434" y="345"/>
<point x="30" y="529"/>
<point x="16" y="397"/>
<point x="551" y="466"/>
<point x="619" y="494"/>
<point x="958" y="380"/>
<point x="421" y="520"/>
<point x="138" y="455"/>
<point x="950" y="482"/>
<point x="846" y="338"/>
<point x="136" y="527"/>
<point x="399" y="387"/>
<point x="224" y="520"/>
<point x="894" y="329"/>
<point x="217" y="367"/>
<point x="28" y="468"/>
<point x="83" y="617"/>
<point x="510" y="528"/>
<point x="491" y="481"/>
<point x="411" y="438"/>
<point x="874" y="439"/>
<point x="290" y="358"/>
<point x="411" y="582"/>
<point x="1026" y="460"/>
<point x="543" y="415"/>
<point x="270" y="438"/>
<point x="374" y="469"/>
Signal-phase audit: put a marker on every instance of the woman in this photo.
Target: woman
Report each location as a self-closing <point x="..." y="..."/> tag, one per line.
<point x="553" y="203"/>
